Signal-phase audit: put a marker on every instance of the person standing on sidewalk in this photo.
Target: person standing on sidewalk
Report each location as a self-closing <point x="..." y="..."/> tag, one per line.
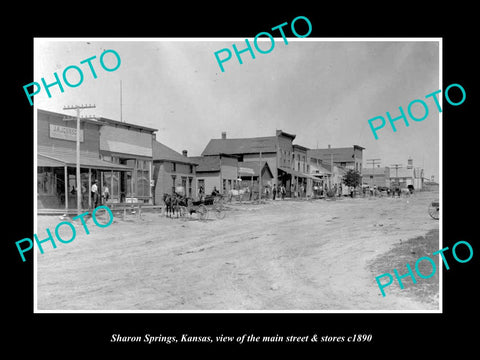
<point x="95" y="193"/>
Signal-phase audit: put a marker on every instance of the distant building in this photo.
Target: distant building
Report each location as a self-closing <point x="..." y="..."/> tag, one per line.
<point x="404" y="176"/>
<point x="172" y="170"/>
<point x="336" y="176"/>
<point x="216" y="171"/>
<point x="346" y="157"/>
<point x="302" y="182"/>
<point x="248" y="173"/>
<point x="378" y="176"/>
<point x="278" y="151"/>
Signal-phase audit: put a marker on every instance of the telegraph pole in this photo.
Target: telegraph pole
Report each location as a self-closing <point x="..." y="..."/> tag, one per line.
<point x="260" y="176"/>
<point x="396" y="172"/>
<point x="79" y="186"/>
<point x="372" y="162"/>
<point x="121" y="110"/>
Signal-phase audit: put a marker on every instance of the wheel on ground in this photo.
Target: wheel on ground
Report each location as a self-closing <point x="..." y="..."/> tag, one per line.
<point x="434" y="210"/>
<point x="220" y="214"/>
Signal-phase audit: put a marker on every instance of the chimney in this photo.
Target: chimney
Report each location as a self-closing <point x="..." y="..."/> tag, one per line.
<point x="224" y="134"/>
<point x="184" y="153"/>
<point x="278" y="132"/>
<point x="410" y="163"/>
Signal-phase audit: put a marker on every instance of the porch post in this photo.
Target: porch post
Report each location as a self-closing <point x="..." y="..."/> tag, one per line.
<point x="111" y="185"/>
<point x="101" y="186"/>
<point x="66" y="188"/>
<point x="89" y="188"/>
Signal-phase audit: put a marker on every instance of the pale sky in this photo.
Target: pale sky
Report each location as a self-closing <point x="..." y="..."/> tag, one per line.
<point x="322" y="91"/>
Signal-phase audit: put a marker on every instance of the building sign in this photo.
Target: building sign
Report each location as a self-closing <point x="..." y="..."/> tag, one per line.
<point x="244" y="170"/>
<point x="64" y="133"/>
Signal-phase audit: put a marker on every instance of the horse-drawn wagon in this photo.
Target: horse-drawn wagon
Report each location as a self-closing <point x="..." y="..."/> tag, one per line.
<point x="182" y="206"/>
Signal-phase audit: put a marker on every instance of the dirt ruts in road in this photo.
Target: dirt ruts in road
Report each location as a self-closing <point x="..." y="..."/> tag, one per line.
<point x="283" y="255"/>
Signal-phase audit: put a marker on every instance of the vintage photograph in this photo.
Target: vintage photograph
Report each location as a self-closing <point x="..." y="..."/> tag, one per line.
<point x="303" y="179"/>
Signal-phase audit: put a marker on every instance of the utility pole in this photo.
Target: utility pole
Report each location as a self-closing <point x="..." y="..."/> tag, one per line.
<point x="372" y="162"/>
<point x="121" y="117"/>
<point x="396" y="172"/>
<point x="260" y="176"/>
<point x="79" y="186"/>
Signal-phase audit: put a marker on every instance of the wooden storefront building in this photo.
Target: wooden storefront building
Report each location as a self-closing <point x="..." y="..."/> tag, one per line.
<point x="56" y="162"/>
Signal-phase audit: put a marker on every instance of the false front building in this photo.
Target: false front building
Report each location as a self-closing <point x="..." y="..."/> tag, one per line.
<point x="173" y="173"/>
<point x="277" y="151"/>
<point x="346" y="157"/>
<point x="56" y="162"/>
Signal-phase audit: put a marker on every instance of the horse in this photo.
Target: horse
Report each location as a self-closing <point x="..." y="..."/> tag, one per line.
<point x="167" y="200"/>
<point x="171" y="204"/>
<point x="405" y="192"/>
<point x="180" y="203"/>
<point x="237" y="193"/>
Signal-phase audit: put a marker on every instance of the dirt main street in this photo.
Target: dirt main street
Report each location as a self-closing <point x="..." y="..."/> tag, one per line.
<point x="282" y="255"/>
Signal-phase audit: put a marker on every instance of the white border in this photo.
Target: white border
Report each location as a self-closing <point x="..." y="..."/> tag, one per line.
<point x="386" y="39"/>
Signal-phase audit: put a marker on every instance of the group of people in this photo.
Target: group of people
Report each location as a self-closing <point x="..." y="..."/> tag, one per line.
<point x="97" y="199"/>
<point x="281" y="191"/>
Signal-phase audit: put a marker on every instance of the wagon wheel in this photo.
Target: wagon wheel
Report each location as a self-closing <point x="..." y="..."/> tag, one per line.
<point x="218" y="201"/>
<point x="434" y="210"/>
<point x="219" y="206"/>
<point x="202" y="211"/>
<point x="219" y="213"/>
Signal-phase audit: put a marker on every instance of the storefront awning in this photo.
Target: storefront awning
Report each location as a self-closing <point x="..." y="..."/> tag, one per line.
<point x="297" y="173"/>
<point x="60" y="160"/>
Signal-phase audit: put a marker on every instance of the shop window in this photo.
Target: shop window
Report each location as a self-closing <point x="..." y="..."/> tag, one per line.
<point x="143" y="178"/>
<point x="143" y="187"/>
<point x="128" y="184"/>
<point x="72" y="184"/>
<point x="45" y="181"/>
<point x="184" y="184"/>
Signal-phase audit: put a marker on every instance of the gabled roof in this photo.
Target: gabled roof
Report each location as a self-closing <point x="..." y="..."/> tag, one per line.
<point x="255" y="166"/>
<point x="207" y="163"/>
<point x="241" y="146"/>
<point x="163" y="152"/>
